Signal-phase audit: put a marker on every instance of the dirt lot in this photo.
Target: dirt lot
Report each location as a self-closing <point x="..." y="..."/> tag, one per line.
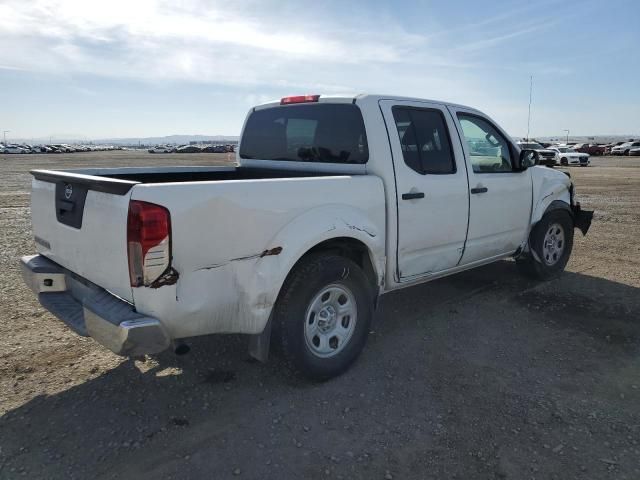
<point x="481" y="375"/>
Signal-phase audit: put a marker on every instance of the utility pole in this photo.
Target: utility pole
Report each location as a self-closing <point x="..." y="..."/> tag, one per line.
<point x="529" y="116"/>
<point x="567" y="142"/>
<point x="4" y="135"/>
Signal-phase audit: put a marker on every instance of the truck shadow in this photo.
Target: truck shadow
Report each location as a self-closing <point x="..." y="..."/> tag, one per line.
<point x="449" y="364"/>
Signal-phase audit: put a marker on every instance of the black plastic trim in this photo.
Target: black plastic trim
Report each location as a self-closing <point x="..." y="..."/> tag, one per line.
<point x="98" y="184"/>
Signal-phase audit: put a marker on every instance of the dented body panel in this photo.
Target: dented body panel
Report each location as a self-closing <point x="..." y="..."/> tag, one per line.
<point x="549" y="185"/>
<point x="235" y="242"/>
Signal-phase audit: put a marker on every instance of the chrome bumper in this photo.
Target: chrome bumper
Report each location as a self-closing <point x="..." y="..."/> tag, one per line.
<point x="92" y="311"/>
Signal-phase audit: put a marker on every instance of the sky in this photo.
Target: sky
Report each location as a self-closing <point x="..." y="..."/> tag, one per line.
<point x="91" y="69"/>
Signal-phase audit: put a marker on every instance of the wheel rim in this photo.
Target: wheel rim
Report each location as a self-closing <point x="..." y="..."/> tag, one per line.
<point x="330" y="320"/>
<point x="554" y="244"/>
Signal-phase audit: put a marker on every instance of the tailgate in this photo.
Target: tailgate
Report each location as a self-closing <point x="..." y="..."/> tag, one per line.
<point x="80" y="222"/>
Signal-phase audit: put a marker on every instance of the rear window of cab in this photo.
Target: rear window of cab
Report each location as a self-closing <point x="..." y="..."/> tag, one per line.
<point x="318" y="132"/>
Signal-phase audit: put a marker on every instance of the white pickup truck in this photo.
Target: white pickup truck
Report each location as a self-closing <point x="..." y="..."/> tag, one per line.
<point x="334" y="202"/>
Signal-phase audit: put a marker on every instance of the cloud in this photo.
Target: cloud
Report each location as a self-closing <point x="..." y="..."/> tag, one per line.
<point x="256" y="50"/>
<point x="202" y="42"/>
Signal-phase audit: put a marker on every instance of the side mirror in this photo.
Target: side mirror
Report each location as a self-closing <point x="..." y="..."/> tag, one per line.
<point x="528" y="158"/>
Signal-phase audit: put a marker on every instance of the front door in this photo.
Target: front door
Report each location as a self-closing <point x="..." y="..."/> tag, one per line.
<point x="431" y="187"/>
<point x="501" y="197"/>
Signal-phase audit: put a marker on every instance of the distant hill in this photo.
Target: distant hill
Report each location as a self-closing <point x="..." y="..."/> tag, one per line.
<point x="170" y="139"/>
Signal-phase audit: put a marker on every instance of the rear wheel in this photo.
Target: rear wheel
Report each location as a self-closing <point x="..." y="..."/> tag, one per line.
<point x="550" y="242"/>
<point x="323" y="315"/>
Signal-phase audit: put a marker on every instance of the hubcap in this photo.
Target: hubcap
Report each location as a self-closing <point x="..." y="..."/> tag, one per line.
<point x="553" y="245"/>
<point x="330" y="320"/>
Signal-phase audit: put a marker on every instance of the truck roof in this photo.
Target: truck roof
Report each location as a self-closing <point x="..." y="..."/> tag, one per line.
<point x="366" y="97"/>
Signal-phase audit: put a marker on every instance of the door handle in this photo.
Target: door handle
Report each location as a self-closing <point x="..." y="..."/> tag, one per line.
<point x="412" y="195"/>
<point x="479" y="190"/>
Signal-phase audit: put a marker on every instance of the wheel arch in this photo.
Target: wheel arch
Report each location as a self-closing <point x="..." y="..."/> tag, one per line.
<point x="351" y="232"/>
<point x="350" y="248"/>
<point x="351" y="235"/>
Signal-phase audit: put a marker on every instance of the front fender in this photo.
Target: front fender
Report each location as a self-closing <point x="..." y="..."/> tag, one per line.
<point x="549" y="186"/>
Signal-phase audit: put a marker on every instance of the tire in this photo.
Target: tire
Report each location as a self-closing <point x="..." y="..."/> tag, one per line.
<point x="555" y="226"/>
<point x="564" y="161"/>
<point x="308" y="326"/>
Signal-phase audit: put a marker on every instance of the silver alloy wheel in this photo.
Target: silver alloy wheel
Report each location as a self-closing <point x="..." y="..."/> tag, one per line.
<point x="553" y="245"/>
<point x="330" y="320"/>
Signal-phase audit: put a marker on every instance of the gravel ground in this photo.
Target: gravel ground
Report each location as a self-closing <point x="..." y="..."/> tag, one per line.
<point x="480" y="375"/>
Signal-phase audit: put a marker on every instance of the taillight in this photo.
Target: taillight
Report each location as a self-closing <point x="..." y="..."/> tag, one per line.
<point x="299" y="99"/>
<point x="148" y="242"/>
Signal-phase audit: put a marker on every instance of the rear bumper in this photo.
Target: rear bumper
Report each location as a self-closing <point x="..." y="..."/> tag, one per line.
<point x="92" y="311"/>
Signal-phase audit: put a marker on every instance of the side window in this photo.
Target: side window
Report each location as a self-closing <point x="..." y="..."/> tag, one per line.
<point x="489" y="150"/>
<point x="424" y="138"/>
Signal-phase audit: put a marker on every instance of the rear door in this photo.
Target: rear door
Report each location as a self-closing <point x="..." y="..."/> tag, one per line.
<point x="501" y="198"/>
<point x="432" y="189"/>
<point x="81" y="224"/>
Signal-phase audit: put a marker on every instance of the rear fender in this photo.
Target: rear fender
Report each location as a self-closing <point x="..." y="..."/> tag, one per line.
<point x="299" y="237"/>
<point x="305" y="232"/>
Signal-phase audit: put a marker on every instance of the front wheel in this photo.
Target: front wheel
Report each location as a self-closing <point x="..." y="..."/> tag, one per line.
<point x="550" y="242"/>
<point x="323" y="315"/>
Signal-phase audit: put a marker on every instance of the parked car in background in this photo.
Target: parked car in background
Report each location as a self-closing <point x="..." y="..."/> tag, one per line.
<point x="634" y="151"/>
<point x="546" y="157"/>
<point x="64" y="148"/>
<point x="162" y="149"/>
<point x="625" y="148"/>
<point x="590" y="148"/>
<point x="565" y="156"/>
<point x="210" y="149"/>
<point x="12" y="148"/>
<point x="610" y="146"/>
<point x="189" y="149"/>
<point x="56" y="149"/>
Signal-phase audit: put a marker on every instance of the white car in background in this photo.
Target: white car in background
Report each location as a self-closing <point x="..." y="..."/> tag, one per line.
<point x="625" y="148"/>
<point x="162" y="149"/>
<point x="16" y="149"/>
<point x="567" y="156"/>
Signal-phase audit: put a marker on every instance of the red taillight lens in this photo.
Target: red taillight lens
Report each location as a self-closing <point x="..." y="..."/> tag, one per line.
<point x="148" y="237"/>
<point x="299" y="99"/>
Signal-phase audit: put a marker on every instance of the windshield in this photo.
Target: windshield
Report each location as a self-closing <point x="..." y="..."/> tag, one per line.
<point x="325" y="133"/>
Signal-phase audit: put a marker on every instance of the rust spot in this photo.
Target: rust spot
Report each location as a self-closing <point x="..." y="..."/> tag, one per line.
<point x="272" y="251"/>
<point x="170" y="277"/>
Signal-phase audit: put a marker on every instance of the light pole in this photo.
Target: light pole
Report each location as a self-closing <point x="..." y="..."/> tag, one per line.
<point x="4" y="135"/>
<point x="529" y="116"/>
<point x="567" y="142"/>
